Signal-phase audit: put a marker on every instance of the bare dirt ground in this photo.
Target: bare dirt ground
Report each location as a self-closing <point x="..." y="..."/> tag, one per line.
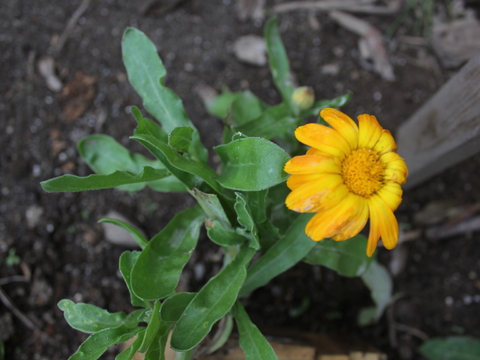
<point x="61" y="248"/>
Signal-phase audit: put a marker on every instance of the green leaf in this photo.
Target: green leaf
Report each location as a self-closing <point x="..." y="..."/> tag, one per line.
<point x="220" y="105"/>
<point x="130" y="352"/>
<point x="378" y="280"/>
<point x="146" y="73"/>
<point x="156" y="351"/>
<point x="104" y="155"/>
<point x="149" y="128"/>
<point x="99" y="342"/>
<point x="136" y="234"/>
<point x="157" y="271"/>
<point x="72" y="183"/>
<point x="451" y="348"/>
<point x="244" y="218"/>
<point x="153" y="328"/>
<point x="211" y="303"/>
<point x="181" y="138"/>
<point x="175" y="305"/>
<point x="90" y="318"/>
<point x="322" y="104"/>
<point x="251" y="164"/>
<point x="246" y="107"/>
<point x="284" y="254"/>
<point x="252" y="342"/>
<point x="127" y="260"/>
<point x="212" y="207"/>
<point x="348" y="257"/>
<point x="178" y="162"/>
<point x="223" y="237"/>
<point x="279" y="64"/>
<point x="257" y="202"/>
<point x="274" y="122"/>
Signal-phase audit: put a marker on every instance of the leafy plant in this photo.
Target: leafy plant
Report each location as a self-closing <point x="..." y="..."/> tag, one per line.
<point x="242" y="208"/>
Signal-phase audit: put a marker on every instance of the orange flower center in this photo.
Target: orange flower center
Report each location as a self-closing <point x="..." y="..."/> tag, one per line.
<point x="363" y="172"/>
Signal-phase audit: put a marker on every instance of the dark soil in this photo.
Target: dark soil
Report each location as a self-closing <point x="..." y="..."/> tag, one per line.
<point x="65" y="253"/>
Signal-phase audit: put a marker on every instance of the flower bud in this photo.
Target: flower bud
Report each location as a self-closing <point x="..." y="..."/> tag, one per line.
<point x="303" y="97"/>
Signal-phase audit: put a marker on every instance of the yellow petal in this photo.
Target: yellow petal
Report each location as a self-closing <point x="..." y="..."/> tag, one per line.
<point x="383" y="223"/>
<point x="357" y="222"/>
<point x="369" y="131"/>
<point x="343" y="124"/>
<point x="331" y="222"/>
<point x="307" y="164"/>
<point x="297" y="180"/>
<point x="395" y="168"/>
<point x="391" y="193"/>
<point x="317" y="195"/>
<point x="323" y="138"/>
<point x="386" y="143"/>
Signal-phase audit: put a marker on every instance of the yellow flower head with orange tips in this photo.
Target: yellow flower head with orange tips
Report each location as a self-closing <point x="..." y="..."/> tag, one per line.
<point x="350" y="173"/>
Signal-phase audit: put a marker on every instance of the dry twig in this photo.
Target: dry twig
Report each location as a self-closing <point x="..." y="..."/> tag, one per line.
<point x="362" y="6"/>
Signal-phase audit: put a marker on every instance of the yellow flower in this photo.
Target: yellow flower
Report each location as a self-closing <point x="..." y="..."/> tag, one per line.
<point x="350" y="173"/>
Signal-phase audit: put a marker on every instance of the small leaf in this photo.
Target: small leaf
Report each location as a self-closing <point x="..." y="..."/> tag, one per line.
<point x="223" y="237"/>
<point x="175" y="305"/>
<point x="90" y="318"/>
<point x="220" y="105"/>
<point x="211" y="303"/>
<point x="104" y="155"/>
<point x="146" y="72"/>
<point x="348" y="257"/>
<point x="251" y="164"/>
<point x="157" y="271"/>
<point x="181" y="138"/>
<point x="153" y="328"/>
<point x="212" y="207"/>
<point x="72" y="183"/>
<point x="451" y="348"/>
<point x="279" y="64"/>
<point x="252" y="342"/>
<point x="99" y="342"/>
<point x="378" y="280"/>
<point x="247" y="107"/>
<point x="273" y="122"/>
<point x="130" y="352"/>
<point x="284" y="254"/>
<point x="127" y="260"/>
<point x="244" y="218"/>
<point x="136" y="234"/>
<point x="257" y="202"/>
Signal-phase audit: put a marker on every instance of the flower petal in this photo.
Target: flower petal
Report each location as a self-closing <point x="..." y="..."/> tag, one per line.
<point x="297" y="180"/>
<point x="332" y="221"/>
<point x="391" y="194"/>
<point x="382" y="224"/>
<point x="307" y="164"/>
<point x="317" y="195"/>
<point x="357" y="222"/>
<point x="323" y="138"/>
<point x="386" y="143"/>
<point x="343" y="124"/>
<point x="395" y="168"/>
<point x="369" y="131"/>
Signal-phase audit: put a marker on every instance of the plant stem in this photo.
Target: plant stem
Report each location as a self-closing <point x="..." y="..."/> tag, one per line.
<point x="185" y="355"/>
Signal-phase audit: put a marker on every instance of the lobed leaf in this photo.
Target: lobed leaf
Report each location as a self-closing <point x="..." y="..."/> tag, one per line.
<point x="281" y="256"/>
<point x="180" y="138"/>
<point x="348" y="258"/>
<point x="99" y="342"/>
<point x="211" y="303"/>
<point x="158" y="268"/>
<point x="279" y="64"/>
<point x="90" y="318"/>
<point x="146" y="73"/>
<point x="251" y="164"/>
<point x="72" y="183"/>
<point x="252" y="342"/>
<point x="223" y="237"/>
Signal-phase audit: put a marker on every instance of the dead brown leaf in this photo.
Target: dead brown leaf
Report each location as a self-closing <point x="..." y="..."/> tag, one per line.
<point x="77" y="95"/>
